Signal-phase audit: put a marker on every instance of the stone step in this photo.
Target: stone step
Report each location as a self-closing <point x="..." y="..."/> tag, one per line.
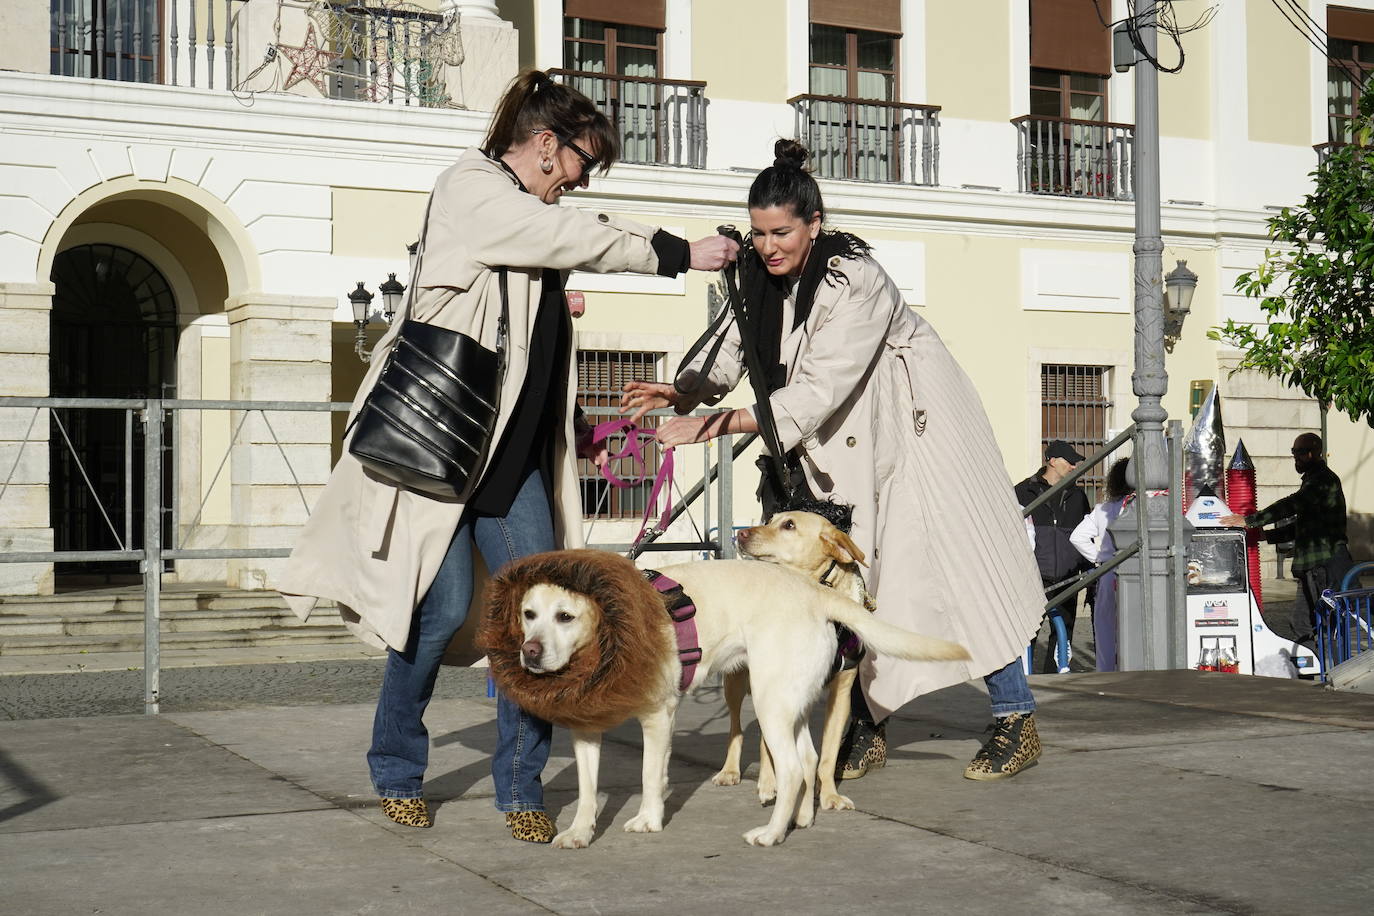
<point x="133" y="642"/>
<point x="107" y="601"/>
<point x="121" y="622"/>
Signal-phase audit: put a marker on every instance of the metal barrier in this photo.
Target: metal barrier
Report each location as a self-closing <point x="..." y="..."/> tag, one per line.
<point x="1345" y="622"/>
<point x="154" y="413"/>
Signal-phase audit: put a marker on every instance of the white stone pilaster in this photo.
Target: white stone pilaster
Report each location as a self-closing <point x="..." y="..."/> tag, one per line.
<point x="491" y="56"/>
<point x="279" y="350"/>
<point x="25" y="310"/>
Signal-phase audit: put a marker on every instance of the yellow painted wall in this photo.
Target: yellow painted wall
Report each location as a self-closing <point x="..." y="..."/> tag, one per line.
<point x="1185" y="98"/>
<point x="375" y="224"/>
<point x="215" y="430"/>
<point x="740" y="49"/>
<point x="968" y="68"/>
<point x="1279" y="77"/>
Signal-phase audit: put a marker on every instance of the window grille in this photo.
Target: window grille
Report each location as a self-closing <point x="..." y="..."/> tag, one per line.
<point x="601" y="375"/>
<point x="1074" y="407"/>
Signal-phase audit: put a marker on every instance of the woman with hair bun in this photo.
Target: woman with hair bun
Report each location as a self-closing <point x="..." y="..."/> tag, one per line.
<point x="873" y="411"/>
<point x="400" y="562"/>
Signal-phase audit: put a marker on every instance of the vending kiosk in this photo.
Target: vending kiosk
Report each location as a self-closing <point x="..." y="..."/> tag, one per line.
<point x="1225" y="630"/>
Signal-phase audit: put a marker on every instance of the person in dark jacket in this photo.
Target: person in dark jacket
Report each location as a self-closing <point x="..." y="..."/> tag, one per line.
<point x="1054" y="522"/>
<point x="1313" y="518"/>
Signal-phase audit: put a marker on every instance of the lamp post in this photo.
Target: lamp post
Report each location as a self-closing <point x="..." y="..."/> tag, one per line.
<point x="361" y="300"/>
<point x="1149" y="622"/>
<point x="391" y="291"/>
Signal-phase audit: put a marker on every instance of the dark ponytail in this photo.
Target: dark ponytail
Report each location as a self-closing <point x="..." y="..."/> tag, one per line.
<point x="534" y="101"/>
<point x="787" y="183"/>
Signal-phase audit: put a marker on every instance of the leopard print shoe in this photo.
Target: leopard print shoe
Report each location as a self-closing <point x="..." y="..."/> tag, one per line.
<point x="531" y="826"/>
<point x="411" y="812"/>
<point x="867" y="749"/>
<point x="1014" y="745"/>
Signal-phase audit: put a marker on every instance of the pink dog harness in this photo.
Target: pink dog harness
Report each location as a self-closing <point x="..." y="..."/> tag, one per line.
<point x="680" y="608"/>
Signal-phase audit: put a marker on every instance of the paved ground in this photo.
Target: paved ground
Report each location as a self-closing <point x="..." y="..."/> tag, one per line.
<point x="1158" y="793"/>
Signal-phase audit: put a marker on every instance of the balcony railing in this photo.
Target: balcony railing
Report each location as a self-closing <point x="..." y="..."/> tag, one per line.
<point x="870" y="140"/>
<point x="1324" y="150"/>
<point x="661" y="122"/>
<point x="369" y="50"/>
<point x="1073" y="158"/>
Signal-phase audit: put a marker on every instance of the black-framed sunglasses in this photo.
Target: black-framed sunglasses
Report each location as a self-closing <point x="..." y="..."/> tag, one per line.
<point x="1302" y="451"/>
<point x="589" y="162"/>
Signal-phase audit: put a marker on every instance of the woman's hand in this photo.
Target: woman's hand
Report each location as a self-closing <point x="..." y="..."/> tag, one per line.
<point x="595" y="452"/>
<point x="713" y="252"/>
<point x="684" y="431"/>
<point x="642" y="397"/>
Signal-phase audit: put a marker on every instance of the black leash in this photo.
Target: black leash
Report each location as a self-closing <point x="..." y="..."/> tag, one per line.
<point x="685" y="379"/>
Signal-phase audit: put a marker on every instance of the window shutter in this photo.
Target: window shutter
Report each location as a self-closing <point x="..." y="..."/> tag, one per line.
<point x="870" y="15"/>
<point x="1352" y="25"/>
<point x="645" y="13"/>
<point x="1067" y="35"/>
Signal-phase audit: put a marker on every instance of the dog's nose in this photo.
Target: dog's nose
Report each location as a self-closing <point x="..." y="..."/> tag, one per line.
<point x="742" y="535"/>
<point x="532" y="650"/>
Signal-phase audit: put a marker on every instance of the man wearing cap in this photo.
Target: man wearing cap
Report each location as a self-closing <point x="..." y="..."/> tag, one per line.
<point x="1054" y="521"/>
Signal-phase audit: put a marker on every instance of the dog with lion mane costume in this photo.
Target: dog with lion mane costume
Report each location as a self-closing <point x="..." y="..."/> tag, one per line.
<point x="582" y="639"/>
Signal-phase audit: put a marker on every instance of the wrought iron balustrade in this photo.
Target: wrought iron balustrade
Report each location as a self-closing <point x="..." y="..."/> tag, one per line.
<point x="869" y="139"/>
<point x="660" y="121"/>
<point x="1074" y="158"/>
<point x="368" y="50"/>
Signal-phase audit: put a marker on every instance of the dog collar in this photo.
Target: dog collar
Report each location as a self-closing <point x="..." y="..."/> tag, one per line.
<point x="682" y="611"/>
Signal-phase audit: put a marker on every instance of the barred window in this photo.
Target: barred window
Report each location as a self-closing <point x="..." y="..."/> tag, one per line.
<point x="1074" y="407"/>
<point x="601" y="374"/>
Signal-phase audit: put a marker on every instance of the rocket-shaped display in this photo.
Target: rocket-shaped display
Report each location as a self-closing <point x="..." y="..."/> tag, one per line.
<point x="1240" y="488"/>
<point x="1204" y="451"/>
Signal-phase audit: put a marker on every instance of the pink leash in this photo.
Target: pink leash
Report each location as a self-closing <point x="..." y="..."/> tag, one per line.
<point x="633" y="451"/>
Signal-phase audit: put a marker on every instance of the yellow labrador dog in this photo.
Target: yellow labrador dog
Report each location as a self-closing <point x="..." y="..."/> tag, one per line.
<point x="761" y="616"/>
<point x="811" y="545"/>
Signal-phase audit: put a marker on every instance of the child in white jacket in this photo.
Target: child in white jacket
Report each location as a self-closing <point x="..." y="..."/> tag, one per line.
<point x="1092" y="539"/>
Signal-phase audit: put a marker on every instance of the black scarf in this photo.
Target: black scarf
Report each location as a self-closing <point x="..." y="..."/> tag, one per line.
<point x="763" y="295"/>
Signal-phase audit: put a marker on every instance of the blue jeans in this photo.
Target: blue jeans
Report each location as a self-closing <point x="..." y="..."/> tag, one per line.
<point x="1009" y="691"/>
<point x="400" y="742"/>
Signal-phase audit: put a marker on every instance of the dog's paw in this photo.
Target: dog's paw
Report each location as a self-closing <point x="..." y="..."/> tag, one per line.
<point x="834" y="801"/>
<point x="573" y="838"/>
<point x="644" y="823"/>
<point x="805" y="818"/>
<point x="767" y="796"/>
<point x="726" y="778"/>
<point x="765" y="836"/>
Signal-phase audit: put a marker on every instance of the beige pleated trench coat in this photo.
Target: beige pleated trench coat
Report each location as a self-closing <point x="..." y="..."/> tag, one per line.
<point x="888" y="422"/>
<point x="376" y="548"/>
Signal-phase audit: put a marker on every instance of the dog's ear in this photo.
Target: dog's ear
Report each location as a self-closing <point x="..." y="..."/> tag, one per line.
<point x="840" y="547"/>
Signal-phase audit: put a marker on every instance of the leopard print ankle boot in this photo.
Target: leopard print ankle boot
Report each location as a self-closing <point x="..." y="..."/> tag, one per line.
<point x="531" y="826"/>
<point x="411" y="812"/>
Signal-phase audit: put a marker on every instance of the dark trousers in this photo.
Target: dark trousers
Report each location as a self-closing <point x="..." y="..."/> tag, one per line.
<point x="1311" y="583"/>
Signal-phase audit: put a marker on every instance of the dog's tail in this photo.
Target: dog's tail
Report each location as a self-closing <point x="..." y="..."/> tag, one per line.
<point x="886" y="639"/>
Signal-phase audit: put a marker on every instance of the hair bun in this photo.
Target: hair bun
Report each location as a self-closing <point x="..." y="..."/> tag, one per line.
<point x="789" y="154"/>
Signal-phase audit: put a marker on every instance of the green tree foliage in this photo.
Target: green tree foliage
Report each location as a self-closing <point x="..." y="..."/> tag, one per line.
<point x="1316" y="286"/>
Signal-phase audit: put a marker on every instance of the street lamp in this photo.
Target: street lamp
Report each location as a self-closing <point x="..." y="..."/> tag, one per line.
<point x="361" y="300"/>
<point x="1179" y="284"/>
<point x="392" y="291"/>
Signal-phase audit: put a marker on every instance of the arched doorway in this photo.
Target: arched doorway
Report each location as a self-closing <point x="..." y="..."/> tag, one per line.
<point x="114" y="335"/>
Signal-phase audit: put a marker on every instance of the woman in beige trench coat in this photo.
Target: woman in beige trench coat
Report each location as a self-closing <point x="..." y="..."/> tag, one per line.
<point x="399" y="562"/>
<point x="877" y="414"/>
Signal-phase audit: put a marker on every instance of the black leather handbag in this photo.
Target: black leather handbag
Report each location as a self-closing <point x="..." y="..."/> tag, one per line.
<point x="427" y="422"/>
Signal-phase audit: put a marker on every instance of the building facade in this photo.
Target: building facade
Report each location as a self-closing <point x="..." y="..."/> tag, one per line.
<point x="189" y="189"/>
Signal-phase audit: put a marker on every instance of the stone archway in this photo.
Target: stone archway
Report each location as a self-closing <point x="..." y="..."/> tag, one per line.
<point x="113" y="335"/>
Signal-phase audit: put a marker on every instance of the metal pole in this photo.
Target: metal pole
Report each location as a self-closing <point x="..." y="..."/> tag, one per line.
<point x="726" y="463"/>
<point x="128" y="479"/>
<point x="152" y="553"/>
<point x="1178" y="551"/>
<point x="1143" y="641"/>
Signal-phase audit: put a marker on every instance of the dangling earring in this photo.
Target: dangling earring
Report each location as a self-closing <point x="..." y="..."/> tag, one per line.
<point x="546" y="166"/>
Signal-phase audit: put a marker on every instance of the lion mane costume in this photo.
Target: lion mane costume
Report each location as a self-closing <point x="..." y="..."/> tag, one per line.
<point x="605" y="682"/>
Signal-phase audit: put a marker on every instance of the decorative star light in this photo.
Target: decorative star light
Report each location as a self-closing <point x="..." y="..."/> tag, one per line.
<point x="308" y="61"/>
